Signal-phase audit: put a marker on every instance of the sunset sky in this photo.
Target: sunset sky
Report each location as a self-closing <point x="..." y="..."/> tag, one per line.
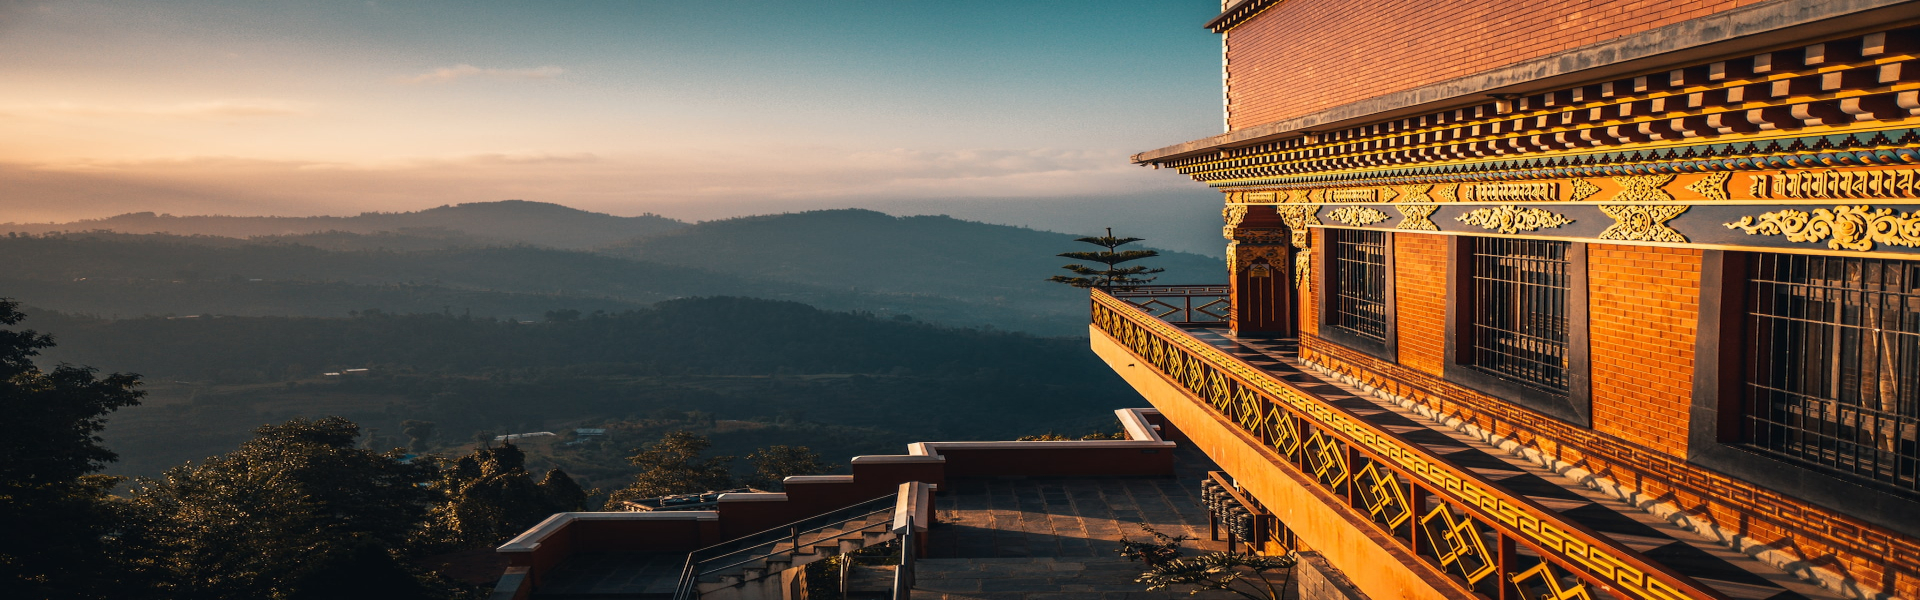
<point x="693" y="109"/>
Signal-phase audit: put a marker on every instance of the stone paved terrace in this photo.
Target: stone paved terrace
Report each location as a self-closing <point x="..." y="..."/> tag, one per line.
<point x="1053" y="538"/>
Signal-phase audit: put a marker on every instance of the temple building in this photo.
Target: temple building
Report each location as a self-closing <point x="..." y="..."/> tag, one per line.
<point x="1529" y="299"/>
<point x="1546" y="300"/>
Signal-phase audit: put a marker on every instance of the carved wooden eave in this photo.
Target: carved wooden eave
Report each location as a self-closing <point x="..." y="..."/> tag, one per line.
<point x="1707" y="38"/>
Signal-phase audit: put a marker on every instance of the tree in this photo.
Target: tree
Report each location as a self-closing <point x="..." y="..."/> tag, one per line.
<point x="419" y="434"/>
<point x="673" y="466"/>
<point x="1167" y="566"/>
<point x="489" y="497"/>
<point x="51" y="501"/>
<point x="243" y="525"/>
<point x="1113" y="275"/>
<point x="773" y="464"/>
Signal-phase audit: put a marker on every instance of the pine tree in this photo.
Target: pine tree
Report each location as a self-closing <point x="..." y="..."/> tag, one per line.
<point x="1113" y="275"/>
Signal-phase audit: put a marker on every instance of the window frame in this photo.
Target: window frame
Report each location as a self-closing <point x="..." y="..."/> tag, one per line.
<point x="1576" y="406"/>
<point x="1328" y="298"/>
<point x="1719" y="379"/>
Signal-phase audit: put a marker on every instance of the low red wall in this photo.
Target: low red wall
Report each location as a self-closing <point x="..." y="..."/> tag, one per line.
<point x="1058" y="462"/>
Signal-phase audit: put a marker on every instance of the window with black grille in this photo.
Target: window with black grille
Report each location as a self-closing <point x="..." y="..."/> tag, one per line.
<point x="1833" y="366"/>
<point x="1359" y="281"/>
<point x="1519" y="321"/>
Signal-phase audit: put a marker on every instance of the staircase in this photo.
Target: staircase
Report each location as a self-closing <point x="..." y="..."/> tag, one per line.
<point x="761" y="566"/>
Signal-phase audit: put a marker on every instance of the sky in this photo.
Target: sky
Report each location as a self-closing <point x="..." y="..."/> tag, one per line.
<point x="1001" y="111"/>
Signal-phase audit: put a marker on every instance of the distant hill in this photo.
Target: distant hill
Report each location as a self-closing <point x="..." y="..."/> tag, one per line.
<point x="119" y="275"/>
<point x="871" y="250"/>
<point x="504" y="222"/>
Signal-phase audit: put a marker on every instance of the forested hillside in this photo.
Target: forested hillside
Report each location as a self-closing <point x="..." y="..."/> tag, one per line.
<point x="781" y="364"/>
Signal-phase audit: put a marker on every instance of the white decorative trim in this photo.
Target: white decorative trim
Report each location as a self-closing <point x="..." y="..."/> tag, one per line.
<point x="793" y="479"/>
<point x="754" y="497"/>
<point x="1134" y="420"/>
<point x="1788" y="563"/>
<point x="912" y="457"/>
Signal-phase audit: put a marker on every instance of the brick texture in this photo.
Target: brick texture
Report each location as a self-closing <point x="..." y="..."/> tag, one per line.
<point x="1420" y="299"/>
<point x="1644" y="304"/>
<point x="1304" y="56"/>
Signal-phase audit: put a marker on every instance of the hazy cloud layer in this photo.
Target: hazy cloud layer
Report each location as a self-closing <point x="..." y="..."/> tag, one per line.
<point x="466" y="71"/>
<point x="207" y="109"/>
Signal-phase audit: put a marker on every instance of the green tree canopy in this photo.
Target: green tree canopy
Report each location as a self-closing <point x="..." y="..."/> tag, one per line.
<point x="245" y="525"/>
<point x="51" y="503"/>
<point x="673" y="466"/>
<point x="773" y="464"/>
<point x="490" y="497"/>
<point x="1112" y="256"/>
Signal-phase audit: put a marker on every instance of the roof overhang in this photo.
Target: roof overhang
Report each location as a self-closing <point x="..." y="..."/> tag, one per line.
<point x="1751" y="29"/>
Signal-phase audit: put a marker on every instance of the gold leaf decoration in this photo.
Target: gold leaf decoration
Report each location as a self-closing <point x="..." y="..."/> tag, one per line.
<point x="1418" y="217"/>
<point x="1301" y="264"/>
<point x="1358" y="216"/>
<point x="1850" y="227"/>
<point x="1510" y="219"/>
<point x="1643" y="188"/>
<point x="1713" y="186"/>
<point x="1642" y="223"/>
<point x="1297" y="196"/>
<point x="1415" y="193"/>
<point x="1583" y="189"/>
<point x="1233" y="215"/>
<point x="1448" y="193"/>
<point x="1387" y="194"/>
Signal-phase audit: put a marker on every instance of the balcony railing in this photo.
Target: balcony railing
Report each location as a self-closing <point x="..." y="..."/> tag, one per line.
<point x="1489" y="542"/>
<point x="1178" y="304"/>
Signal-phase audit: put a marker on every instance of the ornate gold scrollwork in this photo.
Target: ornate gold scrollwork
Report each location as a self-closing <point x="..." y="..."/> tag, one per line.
<point x="1583" y="189"/>
<point x="1447" y="193"/>
<point x="1383" y="495"/>
<point x="1456" y="544"/>
<point x="1415" y="193"/>
<point x="1302" y="266"/>
<point x="1358" y="216"/>
<point x="1355" y="195"/>
<point x="1642" y="223"/>
<point x="1232" y="215"/>
<point x="1327" y="459"/>
<point x="1713" y="186"/>
<point x="1242" y="255"/>
<point x="1643" y="188"/>
<point x="1548" y="577"/>
<point x="1850" y="227"/>
<point x="1511" y="219"/>
<point x="1298" y="217"/>
<point x="1533" y="191"/>
<point x="1417" y="217"/>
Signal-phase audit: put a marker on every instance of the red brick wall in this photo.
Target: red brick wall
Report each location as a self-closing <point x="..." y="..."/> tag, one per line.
<point x="1420" y="299"/>
<point x="1643" y="306"/>
<point x="1304" y="56"/>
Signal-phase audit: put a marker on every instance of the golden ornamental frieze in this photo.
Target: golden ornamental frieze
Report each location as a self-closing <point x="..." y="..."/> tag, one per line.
<point x="1302" y="268"/>
<point x="1358" y="216"/>
<point x="1298" y="218"/>
<point x="1241" y="256"/>
<point x="1447" y="193"/>
<point x="1643" y="223"/>
<point x="1532" y="191"/>
<point x="1510" y="219"/>
<point x="1643" y="188"/>
<point x="1417" y="217"/>
<point x="1844" y="227"/>
<point x="1583" y="189"/>
<point x="1889" y="183"/>
<point x="1713" y="187"/>
<point x="1354" y="195"/>
<point x="1415" y="193"/>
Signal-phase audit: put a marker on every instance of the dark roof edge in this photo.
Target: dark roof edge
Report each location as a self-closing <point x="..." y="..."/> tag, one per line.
<point x="1237" y="14"/>
<point x="1723" y="33"/>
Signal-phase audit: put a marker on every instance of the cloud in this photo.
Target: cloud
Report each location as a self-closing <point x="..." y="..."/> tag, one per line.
<point x="208" y="109"/>
<point x="463" y="71"/>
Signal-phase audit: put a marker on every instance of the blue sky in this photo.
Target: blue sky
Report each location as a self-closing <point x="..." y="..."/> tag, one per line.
<point x="692" y="109"/>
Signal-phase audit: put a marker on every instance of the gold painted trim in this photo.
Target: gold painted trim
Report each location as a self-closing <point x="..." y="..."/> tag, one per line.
<point x="1687" y="245"/>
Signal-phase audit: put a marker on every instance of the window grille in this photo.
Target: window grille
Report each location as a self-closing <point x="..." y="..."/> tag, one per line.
<point x="1359" y="283"/>
<point x="1519" y="311"/>
<point x="1833" y="365"/>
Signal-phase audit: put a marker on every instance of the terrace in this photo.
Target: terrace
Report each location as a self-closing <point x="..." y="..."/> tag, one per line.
<point x="1481" y="520"/>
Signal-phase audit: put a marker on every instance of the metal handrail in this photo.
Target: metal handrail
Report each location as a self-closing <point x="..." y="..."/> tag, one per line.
<point x="903" y="574"/>
<point x="691" y="572"/>
<point x="1204" y="304"/>
<point x="791" y="549"/>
